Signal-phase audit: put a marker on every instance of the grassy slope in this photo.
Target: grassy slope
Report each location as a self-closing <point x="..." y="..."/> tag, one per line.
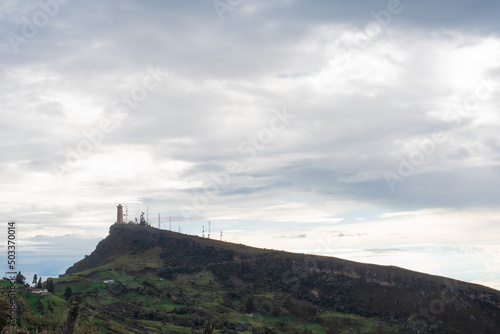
<point x="243" y="250"/>
<point x="141" y="299"/>
<point x="198" y="293"/>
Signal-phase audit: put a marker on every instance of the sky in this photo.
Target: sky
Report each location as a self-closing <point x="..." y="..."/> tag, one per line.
<point x="364" y="130"/>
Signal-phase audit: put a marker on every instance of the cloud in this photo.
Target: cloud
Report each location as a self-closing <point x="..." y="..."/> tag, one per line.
<point x="396" y="124"/>
<point x="490" y="281"/>
<point x="382" y="252"/>
<point x="413" y="213"/>
<point x="297" y="236"/>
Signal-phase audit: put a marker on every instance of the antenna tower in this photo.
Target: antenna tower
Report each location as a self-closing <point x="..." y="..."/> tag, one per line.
<point x="170" y="223"/>
<point x="203" y="231"/>
<point x="159" y="222"/>
<point x="220" y="235"/>
<point x="209" y="229"/>
<point x="126" y="214"/>
<point x="147" y="215"/>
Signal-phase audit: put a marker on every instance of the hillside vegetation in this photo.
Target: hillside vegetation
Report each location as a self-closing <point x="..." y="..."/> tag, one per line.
<point x="144" y="280"/>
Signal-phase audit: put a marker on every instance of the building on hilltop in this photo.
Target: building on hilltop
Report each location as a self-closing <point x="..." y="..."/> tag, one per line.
<point x="122" y="218"/>
<point x="41" y="292"/>
<point x="119" y="215"/>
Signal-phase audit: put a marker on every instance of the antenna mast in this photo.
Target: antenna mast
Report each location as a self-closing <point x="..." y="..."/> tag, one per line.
<point x="220" y="235"/>
<point x="159" y="222"/>
<point x="203" y="231"/>
<point x="170" y="223"/>
<point x="147" y="215"/>
<point x="209" y="229"/>
<point x="126" y="214"/>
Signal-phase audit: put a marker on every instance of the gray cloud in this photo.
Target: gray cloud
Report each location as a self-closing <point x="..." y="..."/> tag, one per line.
<point x="358" y="113"/>
<point x="297" y="236"/>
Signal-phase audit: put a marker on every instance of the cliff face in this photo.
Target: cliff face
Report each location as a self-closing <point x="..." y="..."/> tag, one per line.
<point x="419" y="301"/>
<point x="133" y="239"/>
<point x="122" y="240"/>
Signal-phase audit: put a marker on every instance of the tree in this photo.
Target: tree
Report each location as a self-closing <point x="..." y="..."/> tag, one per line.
<point x="4" y="310"/>
<point x="50" y="285"/>
<point x="40" y="285"/>
<point x="143" y="220"/>
<point x="20" y="279"/>
<point x="68" y="292"/>
<point x="72" y="316"/>
<point x="209" y="327"/>
<point x="35" y="280"/>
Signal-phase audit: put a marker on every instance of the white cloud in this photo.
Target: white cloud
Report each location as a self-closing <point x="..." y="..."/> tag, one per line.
<point x="421" y="212"/>
<point x="353" y="121"/>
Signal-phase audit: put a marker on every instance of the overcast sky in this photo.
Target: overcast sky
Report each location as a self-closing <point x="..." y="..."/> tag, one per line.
<point x="365" y="130"/>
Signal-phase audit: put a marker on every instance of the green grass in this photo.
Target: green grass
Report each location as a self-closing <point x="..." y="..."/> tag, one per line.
<point x="57" y="303"/>
<point x="197" y="286"/>
<point x="32" y="298"/>
<point x="316" y="328"/>
<point x="168" y="328"/>
<point x="6" y="284"/>
<point x="205" y="278"/>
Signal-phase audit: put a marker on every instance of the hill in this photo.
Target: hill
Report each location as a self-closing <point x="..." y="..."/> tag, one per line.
<point x="294" y="288"/>
<point x="144" y="280"/>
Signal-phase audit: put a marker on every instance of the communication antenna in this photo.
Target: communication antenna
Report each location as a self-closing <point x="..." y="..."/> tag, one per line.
<point x="220" y="235"/>
<point x="126" y="214"/>
<point x="147" y="215"/>
<point x="209" y="225"/>
<point x="159" y="222"/>
<point x="203" y="231"/>
<point x="170" y="223"/>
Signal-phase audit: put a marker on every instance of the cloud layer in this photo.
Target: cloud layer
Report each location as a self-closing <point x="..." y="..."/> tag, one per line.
<point x="294" y="125"/>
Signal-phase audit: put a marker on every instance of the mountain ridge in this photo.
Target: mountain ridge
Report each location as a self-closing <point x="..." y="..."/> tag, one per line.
<point x="88" y="263"/>
<point x="314" y="283"/>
